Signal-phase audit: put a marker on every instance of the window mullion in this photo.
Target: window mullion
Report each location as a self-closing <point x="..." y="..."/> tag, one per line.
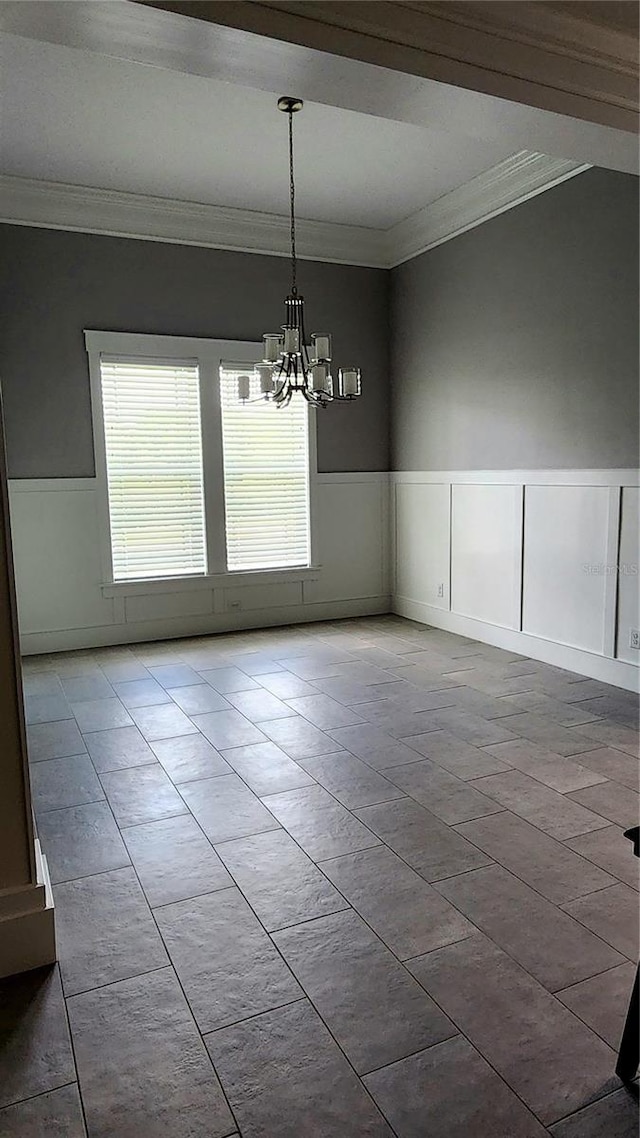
<point x="213" y="466"/>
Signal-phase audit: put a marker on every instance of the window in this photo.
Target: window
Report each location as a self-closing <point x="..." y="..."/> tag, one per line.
<point x="192" y="482"/>
<point x="153" y="446"/>
<point x="266" y="478"/>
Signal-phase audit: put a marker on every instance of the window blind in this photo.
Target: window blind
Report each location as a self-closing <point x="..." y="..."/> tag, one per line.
<point x="266" y="477"/>
<point x="151" y="413"/>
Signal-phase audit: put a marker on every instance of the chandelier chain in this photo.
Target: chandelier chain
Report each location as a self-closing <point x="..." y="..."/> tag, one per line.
<point x="292" y="188"/>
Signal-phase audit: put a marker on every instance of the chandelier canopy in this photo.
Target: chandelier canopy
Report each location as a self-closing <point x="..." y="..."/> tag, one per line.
<point x="291" y="364"/>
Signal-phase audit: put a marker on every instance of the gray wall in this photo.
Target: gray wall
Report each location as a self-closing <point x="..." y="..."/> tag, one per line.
<point x="55" y="284"/>
<point x="516" y="345"/>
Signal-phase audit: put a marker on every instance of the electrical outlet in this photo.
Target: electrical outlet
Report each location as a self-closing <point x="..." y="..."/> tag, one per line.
<point x="634" y="638"/>
<point x="441" y="589"/>
<point x="234" y="606"/>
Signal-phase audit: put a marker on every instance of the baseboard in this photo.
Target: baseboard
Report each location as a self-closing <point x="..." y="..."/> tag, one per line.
<point x="609" y="671"/>
<point x="27" y="925"/>
<point x="66" y="640"/>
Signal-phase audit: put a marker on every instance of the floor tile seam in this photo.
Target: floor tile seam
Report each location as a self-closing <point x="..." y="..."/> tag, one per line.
<point x="40" y="1094"/>
<point x="600" y="1098"/>
<point x="39" y="812"/>
<point x="120" y="980"/>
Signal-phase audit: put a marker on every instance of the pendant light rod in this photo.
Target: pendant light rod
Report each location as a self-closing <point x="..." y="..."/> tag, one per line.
<point x="289" y="106"/>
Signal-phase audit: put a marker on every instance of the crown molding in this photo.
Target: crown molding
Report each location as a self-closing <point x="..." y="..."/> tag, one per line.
<point x="55" y="205"/>
<point x="518" y="178"/>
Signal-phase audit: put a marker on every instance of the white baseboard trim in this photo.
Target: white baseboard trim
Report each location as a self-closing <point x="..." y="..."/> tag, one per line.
<point x="608" y="671"/>
<point x="27" y="925"/>
<point x="65" y="640"/>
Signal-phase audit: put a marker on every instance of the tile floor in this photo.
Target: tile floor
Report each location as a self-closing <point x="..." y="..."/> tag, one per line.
<point x="360" y="878"/>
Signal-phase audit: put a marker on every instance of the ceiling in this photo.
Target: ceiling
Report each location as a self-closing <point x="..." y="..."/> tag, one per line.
<point x="70" y="115"/>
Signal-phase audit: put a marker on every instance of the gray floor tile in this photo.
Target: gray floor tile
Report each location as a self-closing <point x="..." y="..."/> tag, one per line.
<point x="349" y="692"/>
<point x="118" y="749"/>
<point x="285" y="685"/>
<point x="556" y="771"/>
<point x="174" y="675"/>
<point x="163" y="722"/>
<point x="299" y="738"/>
<point x="226" y="963"/>
<point x="40" y="683"/>
<point x="259" y="705"/>
<point x="561" y="740"/>
<point x="374" y="746"/>
<point x="446" y="796"/>
<point x="226" y="680"/>
<point x="554" y="813"/>
<point x="552" y="1061"/>
<point x="612" y="801"/>
<point x="612" y="851"/>
<point x="365" y="671"/>
<point x="564" y="714"/>
<point x="189" y="758"/>
<point x="141" y="794"/>
<point x="285" y="1077"/>
<point x="101" y="714"/>
<point x="146" y="692"/>
<point x="57" y="1114"/>
<point x="105" y="931"/>
<point x="373" y="1008"/>
<point x="324" y="712"/>
<point x="318" y="823"/>
<point x="427" y="844"/>
<point x="486" y="706"/>
<point x="545" y="864"/>
<point x="254" y="663"/>
<point x="143" y="1068"/>
<point x="35" y="1055"/>
<point x="198" y="699"/>
<point x="228" y="729"/>
<point x="46" y="708"/>
<point x="473" y="728"/>
<point x="613" y="915"/>
<point x="57" y="783"/>
<point x="81" y="840"/>
<point x="615" y="1116"/>
<point x="460" y="758"/>
<point x="79" y="688"/>
<point x="610" y="734"/>
<point x="602" y="1002"/>
<point x="174" y="860"/>
<point x="280" y="882"/>
<point x="351" y="781"/>
<point x="537" y="934"/>
<point x="449" y="1091"/>
<point x="400" y="906"/>
<point x="310" y="667"/>
<point x="615" y="765"/>
<point x="120" y="671"/>
<point x="397" y="721"/>
<point x="54" y="740"/>
<point x="226" y="808"/>
<point x="266" y="768"/>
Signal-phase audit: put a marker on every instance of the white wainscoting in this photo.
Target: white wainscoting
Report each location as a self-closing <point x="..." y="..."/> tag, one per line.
<point x="540" y="562"/>
<point x="62" y="604"/>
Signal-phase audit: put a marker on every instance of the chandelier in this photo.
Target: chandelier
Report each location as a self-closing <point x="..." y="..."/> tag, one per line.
<point x="290" y="364"/>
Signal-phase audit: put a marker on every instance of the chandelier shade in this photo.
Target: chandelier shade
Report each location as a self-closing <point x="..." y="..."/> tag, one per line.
<point x="292" y="364"/>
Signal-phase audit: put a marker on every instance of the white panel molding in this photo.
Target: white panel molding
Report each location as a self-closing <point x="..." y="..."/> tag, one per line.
<point x="56" y="205"/>
<point x="601" y="668"/>
<point x="518" y="178"/>
<point x="611" y="581"/>
<point x="621" y="477"/>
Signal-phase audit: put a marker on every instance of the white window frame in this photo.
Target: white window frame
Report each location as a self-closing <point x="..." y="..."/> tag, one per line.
<point x="209" y="355"/>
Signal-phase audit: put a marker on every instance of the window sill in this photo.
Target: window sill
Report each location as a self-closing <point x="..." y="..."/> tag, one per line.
<point x="209" y="581"/>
